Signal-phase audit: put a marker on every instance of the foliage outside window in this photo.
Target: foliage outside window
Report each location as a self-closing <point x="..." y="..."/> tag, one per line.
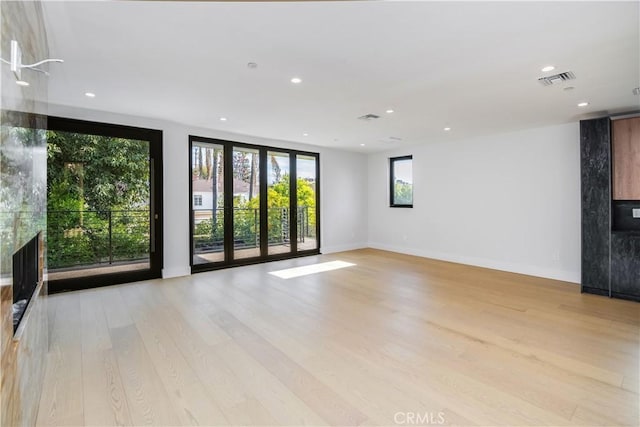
<point x="207" y="175"/>
<point x="401" y="182"/>
<point x="97" y="199"/>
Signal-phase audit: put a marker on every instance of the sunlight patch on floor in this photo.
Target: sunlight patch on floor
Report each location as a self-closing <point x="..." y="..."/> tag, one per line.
<point x="290" y="273"/>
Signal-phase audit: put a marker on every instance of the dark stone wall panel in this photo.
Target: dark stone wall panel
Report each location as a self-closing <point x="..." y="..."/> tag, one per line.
<point x="595" y="161"/>
<point x="625" y="264"/>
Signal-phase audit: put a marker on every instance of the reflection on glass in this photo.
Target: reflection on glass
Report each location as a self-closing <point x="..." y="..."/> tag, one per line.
<point x="246" y="203"/>
<point x="207" y="202"/>
<point x="306" y="198"/>
<point x="98" y="218"/>
<point x="278" y="202"/>
<point x="23" y="182"/>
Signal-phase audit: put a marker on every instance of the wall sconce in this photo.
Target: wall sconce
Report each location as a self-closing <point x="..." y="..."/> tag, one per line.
<point x="17" y="65"/>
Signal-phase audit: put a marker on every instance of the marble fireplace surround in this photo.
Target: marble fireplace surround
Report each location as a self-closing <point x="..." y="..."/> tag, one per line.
<point x="22" y="214"/>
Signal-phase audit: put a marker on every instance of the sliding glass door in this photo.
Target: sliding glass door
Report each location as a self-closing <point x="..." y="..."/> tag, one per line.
<point x="307" y="182"/>
<point x="247" y="204"/>
<point x="207" y="203"/>
<point x="104" y="200"/>
<point x="278" y="203"/>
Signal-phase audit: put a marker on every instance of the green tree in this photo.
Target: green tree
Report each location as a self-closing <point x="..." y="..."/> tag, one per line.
<point x="96" y="184"/>
<point x="403" y="193"/>
<point x="103" y="173"/>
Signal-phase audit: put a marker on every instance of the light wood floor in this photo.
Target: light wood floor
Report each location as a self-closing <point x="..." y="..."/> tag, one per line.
<point x="366" y="345"/>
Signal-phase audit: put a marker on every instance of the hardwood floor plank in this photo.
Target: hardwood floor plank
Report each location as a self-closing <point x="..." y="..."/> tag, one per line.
<point x="390" y="336"/>
<point x="62" y="400"/>
<point x="147" y="399"/>
<point x="238" y="404"/>
<point x="114" y="308"/>
<point x="284" y="405"/>
<point x="104" y="397"/>
<point x="314" y="393"/>
<point x="183" y="298"/>
<point x="187" y="395"/>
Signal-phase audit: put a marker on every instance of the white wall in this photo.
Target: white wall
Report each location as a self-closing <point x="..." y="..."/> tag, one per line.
<point x="343" y="191"/>
<point x="509" y="202"/>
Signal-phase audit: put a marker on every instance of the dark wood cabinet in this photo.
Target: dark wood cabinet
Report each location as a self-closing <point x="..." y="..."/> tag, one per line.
<point x="626" y="159"/>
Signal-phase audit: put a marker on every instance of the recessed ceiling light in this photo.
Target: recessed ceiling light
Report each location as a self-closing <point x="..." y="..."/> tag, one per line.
<point x="548" y="68"/>
<point x="361" y="145"/>
<point x="305" y="134"/>
<point x="389" y="111"/>
<point x="223" y="119"/>
<point x="447" y="129"/>
<point x="90" y="94"/>
<point x="583" y="104"/>
<point x="296" y="80"/>
<point x="22" y="83"/>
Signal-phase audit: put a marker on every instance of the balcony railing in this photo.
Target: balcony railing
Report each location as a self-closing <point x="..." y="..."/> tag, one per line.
<point x="79" y="238"/>
<point x="208" y="235"/>
<point x="93" y="238"/>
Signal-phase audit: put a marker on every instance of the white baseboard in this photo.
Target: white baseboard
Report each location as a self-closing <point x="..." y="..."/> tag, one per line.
<point x="175" y="272"/>
<point x="530" y="270"/>
<point x="342" y="248"/>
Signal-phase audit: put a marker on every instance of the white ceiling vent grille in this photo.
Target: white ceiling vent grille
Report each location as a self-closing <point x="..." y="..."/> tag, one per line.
<point x="368" y="117"/>
<point x="390" y="139"/>
<point x="557" y="78"/>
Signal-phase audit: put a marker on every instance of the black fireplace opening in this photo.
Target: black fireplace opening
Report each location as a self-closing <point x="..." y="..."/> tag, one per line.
<point x="25" y="278"/>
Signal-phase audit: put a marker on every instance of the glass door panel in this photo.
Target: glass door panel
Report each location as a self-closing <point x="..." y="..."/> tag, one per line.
<point x="306" y="197"/>
<point x="278" y="203"/>
<point x="97" y="205"/>
<point x="246" y="203"/>
<point x="207" y="203"/>
<point x="250" y="203"/>
<point x="103" y="204"/>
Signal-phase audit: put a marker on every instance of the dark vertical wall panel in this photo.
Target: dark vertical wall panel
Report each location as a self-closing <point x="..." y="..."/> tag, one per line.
<point x="595" y="161"/>
<point x="625" y="265"/>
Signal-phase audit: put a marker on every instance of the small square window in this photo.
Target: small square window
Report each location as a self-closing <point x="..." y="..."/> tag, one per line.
<point x="401" y="182"/>
<point x="197" y="200"/>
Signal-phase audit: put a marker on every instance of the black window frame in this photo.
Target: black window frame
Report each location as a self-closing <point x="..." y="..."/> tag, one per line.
<point x="392" y="161"/>
<point x="230" y="261"/>
<point x="156" y="211"/>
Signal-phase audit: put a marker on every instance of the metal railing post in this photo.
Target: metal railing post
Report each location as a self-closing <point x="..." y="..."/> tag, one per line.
<point x="282" y="225"/>
<point x="255" y="225"/>
<point x="110" y="239"/>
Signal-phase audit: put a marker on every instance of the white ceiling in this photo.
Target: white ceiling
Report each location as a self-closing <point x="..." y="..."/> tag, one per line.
<point x="472" y="66"/>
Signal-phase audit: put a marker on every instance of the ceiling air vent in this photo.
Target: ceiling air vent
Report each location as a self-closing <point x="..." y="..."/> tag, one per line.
<point x="557" y="78"/>
<point x="368" y="117"/>
<point x="390" y="139"/>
